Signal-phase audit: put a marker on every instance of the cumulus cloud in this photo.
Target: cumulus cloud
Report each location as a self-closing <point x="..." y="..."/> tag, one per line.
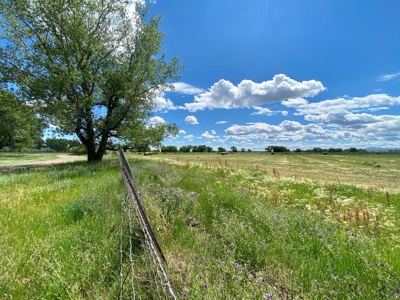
<point x="191" y="120"/>
<point x="156" y="120"/>
<point x="207" y="135"/>
<point x="331" y="122"/>
<point x="221" y="122"/>
<point x="190" y="136"/>
<point x="342" y="112"/>
<point x="284" y="113"/>
<point x="181" y="131"/>
<point x="213" y="132"/>
<point x="224" y="94"/>
<point x="163" y="104"/>
<point x="284" y="132"/>
<point x="187" y="89"/>
<point x="388" y="77"/>
<point x="263" y="111"/>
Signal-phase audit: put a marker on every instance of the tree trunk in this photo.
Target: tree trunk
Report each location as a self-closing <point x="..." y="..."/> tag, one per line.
<point x="97" y="156"/>
<point x="91" y="150"/>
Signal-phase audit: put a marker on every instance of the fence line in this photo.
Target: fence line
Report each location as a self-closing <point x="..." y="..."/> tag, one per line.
<point x="140" y="226"/>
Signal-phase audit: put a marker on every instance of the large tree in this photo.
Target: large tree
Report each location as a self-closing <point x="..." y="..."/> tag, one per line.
<point x="91" y="66"/>
<point x="19" y="127"/>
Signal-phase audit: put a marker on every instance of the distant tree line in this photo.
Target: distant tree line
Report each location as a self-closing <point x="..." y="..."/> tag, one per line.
<point x="187" y="148"/>
<point x="315" y="150"/>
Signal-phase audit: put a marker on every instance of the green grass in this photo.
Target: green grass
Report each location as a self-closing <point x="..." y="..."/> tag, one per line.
<point x="257" y="234"/>
<point x="356" y="169"/>
<point x="20" y="158"/>
<point x="251" y="227"/>
<point x="54" y="243"/>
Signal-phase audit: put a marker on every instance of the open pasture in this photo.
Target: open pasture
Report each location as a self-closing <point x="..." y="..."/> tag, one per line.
<point x="377" y="171"/>
<point x="278" y="226"/>
<point x="10" y="158"/>
<point x="241" y="226"/>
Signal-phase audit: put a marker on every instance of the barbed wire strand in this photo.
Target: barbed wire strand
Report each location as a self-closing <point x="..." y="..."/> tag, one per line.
<point x="130" y="253"/>
<point x="150" y="238"/>
<point x="151" y="242"/>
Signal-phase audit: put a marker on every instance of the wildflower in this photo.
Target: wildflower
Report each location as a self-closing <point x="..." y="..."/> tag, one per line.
<point x="268" y="296"/>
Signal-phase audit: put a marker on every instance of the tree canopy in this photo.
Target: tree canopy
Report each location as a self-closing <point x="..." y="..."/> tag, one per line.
<point x="91" y="67"/>
<point x="19" y="127"/>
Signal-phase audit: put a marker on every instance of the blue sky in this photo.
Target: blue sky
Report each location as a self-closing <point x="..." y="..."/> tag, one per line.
<point x="301" y="74"/>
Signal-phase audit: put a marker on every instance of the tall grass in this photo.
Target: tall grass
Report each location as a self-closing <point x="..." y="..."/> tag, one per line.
<point x="19" y="158"/>
<point x="225" y="239"/>
<point x="58" y="232"/>
<point x="226" y="232"/>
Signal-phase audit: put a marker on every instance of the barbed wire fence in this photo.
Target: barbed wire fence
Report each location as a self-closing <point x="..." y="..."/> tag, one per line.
<point x="142" y="262"/>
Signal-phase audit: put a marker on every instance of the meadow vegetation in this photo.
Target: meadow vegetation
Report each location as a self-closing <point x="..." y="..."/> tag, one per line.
<point x="9" y="158"/>
<point x="242" y="226"/>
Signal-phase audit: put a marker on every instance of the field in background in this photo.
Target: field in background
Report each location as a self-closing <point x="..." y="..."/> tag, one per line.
<point x="378" y="171"/>
<point x="9" y="158"/>
<point x="241" y="226"/>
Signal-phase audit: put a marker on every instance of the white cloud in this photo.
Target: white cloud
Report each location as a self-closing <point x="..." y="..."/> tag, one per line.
<point x="332" y="122"/>
<point x="163" y="104"/>
<point x="187" y="89"/>
<point x="182" y="131"/>
<point x="207" y="135"/>
<point x="213" y="132"/>
<point x="224" y="94"/>
<point x="284" y="132"/>
<point x="344" y="112"/>
<point x="156" y="120"/>
<point x="191" y="120"/>
<point x="284" y="113"/>
<point x="190" y="136"/>
<point x="388" y="77"/>
<point x="262" y="111"/>
<point x="221" y="122"/>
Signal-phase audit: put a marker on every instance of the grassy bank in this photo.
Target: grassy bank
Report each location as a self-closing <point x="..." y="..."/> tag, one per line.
<point x="57" y="226"/>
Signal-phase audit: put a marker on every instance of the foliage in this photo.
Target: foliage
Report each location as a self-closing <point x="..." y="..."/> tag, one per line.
<point x="61" y="145"/>
<point x="277" y="149"/>
<point x="19" y="127"/>
<point x="169" y="149"/>
<point x="185" y="148"/>
<point x="91" y="66"/>
<point x="221" y="149"/>
<point x="201" y="148"/>
<point x="234" y="149"/>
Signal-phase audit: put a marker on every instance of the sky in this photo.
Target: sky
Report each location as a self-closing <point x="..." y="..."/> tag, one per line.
<point x="300" y="74"/>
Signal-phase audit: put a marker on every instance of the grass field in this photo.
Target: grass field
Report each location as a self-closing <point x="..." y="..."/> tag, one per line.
<point x="20" y="158"/>
<point x="364" y="170"/>
<point x="241" y="226"/>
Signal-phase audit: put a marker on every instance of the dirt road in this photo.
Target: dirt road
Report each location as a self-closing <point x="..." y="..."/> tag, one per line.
<point x="60" y="160"/>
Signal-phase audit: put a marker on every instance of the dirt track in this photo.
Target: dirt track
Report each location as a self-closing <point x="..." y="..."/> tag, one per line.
<point x="60" y="160"/>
